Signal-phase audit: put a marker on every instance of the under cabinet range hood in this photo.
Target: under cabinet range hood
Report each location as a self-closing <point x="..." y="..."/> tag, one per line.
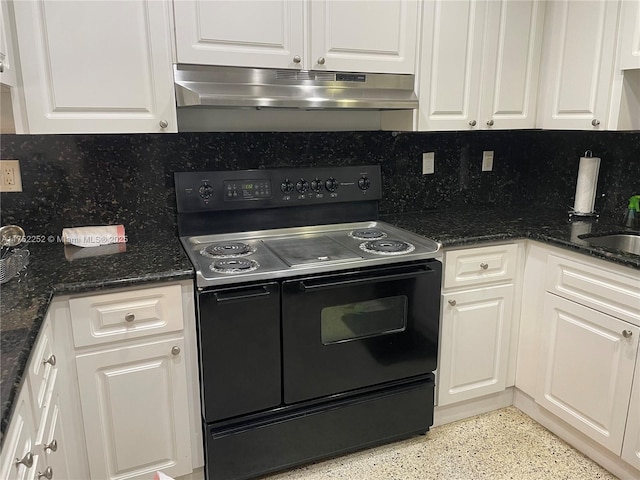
<point x="239" y="87"/>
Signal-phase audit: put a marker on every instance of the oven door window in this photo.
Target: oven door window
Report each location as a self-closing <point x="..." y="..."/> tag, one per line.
<point x="372" y="318"/>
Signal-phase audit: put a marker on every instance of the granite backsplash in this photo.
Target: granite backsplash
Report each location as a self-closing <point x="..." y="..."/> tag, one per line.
<point x="74" y="180"/>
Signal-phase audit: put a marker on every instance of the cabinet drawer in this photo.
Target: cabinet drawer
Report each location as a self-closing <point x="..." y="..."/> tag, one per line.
<point x="124" y="315"/>
<point x="609" y="291"/>
<point x="42" y="369"/>
<point x="480" y="265"/>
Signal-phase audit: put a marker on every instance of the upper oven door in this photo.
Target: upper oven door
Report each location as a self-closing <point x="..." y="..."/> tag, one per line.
<point x="358" y="329"/>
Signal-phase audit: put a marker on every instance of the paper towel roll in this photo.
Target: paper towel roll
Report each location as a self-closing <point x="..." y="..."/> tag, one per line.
<point x="586" y="186"/>
<point x="94" y="236"/>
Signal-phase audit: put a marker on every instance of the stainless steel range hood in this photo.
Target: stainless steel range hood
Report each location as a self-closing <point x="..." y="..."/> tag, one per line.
<point x="212" y="86"/>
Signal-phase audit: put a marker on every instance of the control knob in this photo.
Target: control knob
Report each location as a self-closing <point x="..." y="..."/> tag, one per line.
<point x="316" y="185"/>
<point x="205" y="190"/>
<point x="286" y="186"/>
<point x="302" y="185"/>
<point x="331" y="184"/>
<point x="364" y="183"/>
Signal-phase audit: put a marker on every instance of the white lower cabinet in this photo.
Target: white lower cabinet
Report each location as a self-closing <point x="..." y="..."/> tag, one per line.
<point x="20" y="457"/>
<point x="476" y="322"/>
<point x="131" y="364"/>
<point x="587" y="361"/>
<point x="475" y="334"/>
<point x="135" y="410"/>
<point x="631" y="443"/>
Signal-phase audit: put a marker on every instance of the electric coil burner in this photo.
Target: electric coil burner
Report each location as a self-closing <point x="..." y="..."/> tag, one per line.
<point x="317" y="323"/>
<point x="367" y="234"/>
<point x="387" y="247"/>
<point x="234" y="265"/>
<point x="225" y="250"/>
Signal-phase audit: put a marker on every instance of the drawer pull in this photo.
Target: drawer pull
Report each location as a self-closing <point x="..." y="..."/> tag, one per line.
<point x="53" y="445"/>
<point x="48" y="473"/>
<point x="175" y="350"/>
<point x="627" y="333"/>
<point x="51" y="361"/>
<point x="452" y="303"/>
<point x="484" y="266"/>
<point x="27" y="460"/>
<point x="129" y="317"/>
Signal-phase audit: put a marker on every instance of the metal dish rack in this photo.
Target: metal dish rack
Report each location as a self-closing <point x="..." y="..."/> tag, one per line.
<point x="13" y="263"/>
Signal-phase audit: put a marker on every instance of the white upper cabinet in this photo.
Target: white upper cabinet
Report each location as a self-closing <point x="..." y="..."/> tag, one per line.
<point x="361" y="36"/>
<point x="480" y="63"/>
<point x="629" y="34"/>
<point x="7" y="56"/>
<point x="577" y="65"/>
<point x="355" y="36"/>
<point x="96" y="67"/>
<point x="258" y="33"/>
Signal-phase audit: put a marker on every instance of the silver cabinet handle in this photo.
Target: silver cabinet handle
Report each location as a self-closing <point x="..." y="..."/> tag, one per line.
<point x="452" y="303"/>
<point x="484" y="266"/>
<point x="473" y="123"/>
<point x="627" y="333"/>
<point x="129" y="317"/>
<point x="27" y="460"/>
<point x="297" y="59"/>
<point x="48" y="473"/>
<point x="53" y="445"/>
<point x="51" y="360"/>
<point x="490" y="123"/>
<point x="321" y="61"/>
<point x="1" y="67"/>
<point x="164" y="124"/>
<point x="595" y="122"/>
<point x="175" y="350"/>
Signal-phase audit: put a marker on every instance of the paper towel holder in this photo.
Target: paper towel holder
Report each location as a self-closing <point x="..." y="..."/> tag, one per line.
<point x="581" y="215"/>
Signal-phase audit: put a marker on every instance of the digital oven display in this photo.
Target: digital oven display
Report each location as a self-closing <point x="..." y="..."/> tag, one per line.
<point x="238" y="190"/>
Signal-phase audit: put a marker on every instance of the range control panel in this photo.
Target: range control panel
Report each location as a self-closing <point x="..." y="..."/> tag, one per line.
<point x="281" y="187"/>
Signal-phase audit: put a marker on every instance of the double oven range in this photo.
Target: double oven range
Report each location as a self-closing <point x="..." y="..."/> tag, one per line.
<point x="317" y="323"/>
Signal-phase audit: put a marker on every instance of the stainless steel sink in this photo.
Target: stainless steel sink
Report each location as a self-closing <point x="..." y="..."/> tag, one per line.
<point x="627" y="242"/>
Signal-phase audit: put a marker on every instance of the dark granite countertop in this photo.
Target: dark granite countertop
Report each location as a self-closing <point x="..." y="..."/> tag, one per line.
<point x="476" y="226"/>
<point x="24" y="303"/>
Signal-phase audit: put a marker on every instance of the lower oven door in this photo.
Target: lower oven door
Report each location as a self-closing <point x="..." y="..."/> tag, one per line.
<point x="358" y="329"/>
<point x="239" y="346"/>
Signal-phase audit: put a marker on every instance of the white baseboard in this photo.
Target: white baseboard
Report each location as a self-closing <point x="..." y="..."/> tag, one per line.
<point x="469" y="408"/>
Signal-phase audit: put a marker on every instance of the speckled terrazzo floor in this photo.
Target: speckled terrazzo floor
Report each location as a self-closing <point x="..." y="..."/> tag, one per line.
<point x="504" y="444"/>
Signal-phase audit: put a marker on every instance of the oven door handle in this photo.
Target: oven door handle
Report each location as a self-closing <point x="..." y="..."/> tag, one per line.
<point x="241" y="295"/>
<point x="306" y="287"/>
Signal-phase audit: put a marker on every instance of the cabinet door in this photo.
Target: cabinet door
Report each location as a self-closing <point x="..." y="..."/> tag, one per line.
<point x="358" y="36"/>
<point x="451" y="64"/>
<point x="631" y="443"/>
<point x="7" y="67"/>
<point x="135" y="409"/>
<point x="96" y="67"/>
<point x="247" y="34"/>
<point x="511" y="63"/>
<point x="587" y="360"/>
<point x="629" y="34"/>
<point x="55" y="453"/>
<point x="578" y="64"/>
<point x="19" y="443"/>
<point x="474" y="348"/>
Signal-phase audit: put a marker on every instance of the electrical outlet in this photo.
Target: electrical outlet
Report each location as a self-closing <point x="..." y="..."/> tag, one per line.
<point x="487" y="160"/>
<point x="10" y="179"/>
<point x="428" y="163"/>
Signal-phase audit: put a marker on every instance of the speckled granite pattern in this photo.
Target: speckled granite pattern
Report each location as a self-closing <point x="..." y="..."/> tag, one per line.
<point x="24" y="303"/>
<point x="504" y="444"/>
<point x="73" y="180"/>
<point x="482" y="225"/>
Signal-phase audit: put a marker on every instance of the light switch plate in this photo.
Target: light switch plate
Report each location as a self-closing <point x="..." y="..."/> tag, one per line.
<point x="10" y="179"/>
<point x="487" y="160"/>
<point x="428" y="163"/>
